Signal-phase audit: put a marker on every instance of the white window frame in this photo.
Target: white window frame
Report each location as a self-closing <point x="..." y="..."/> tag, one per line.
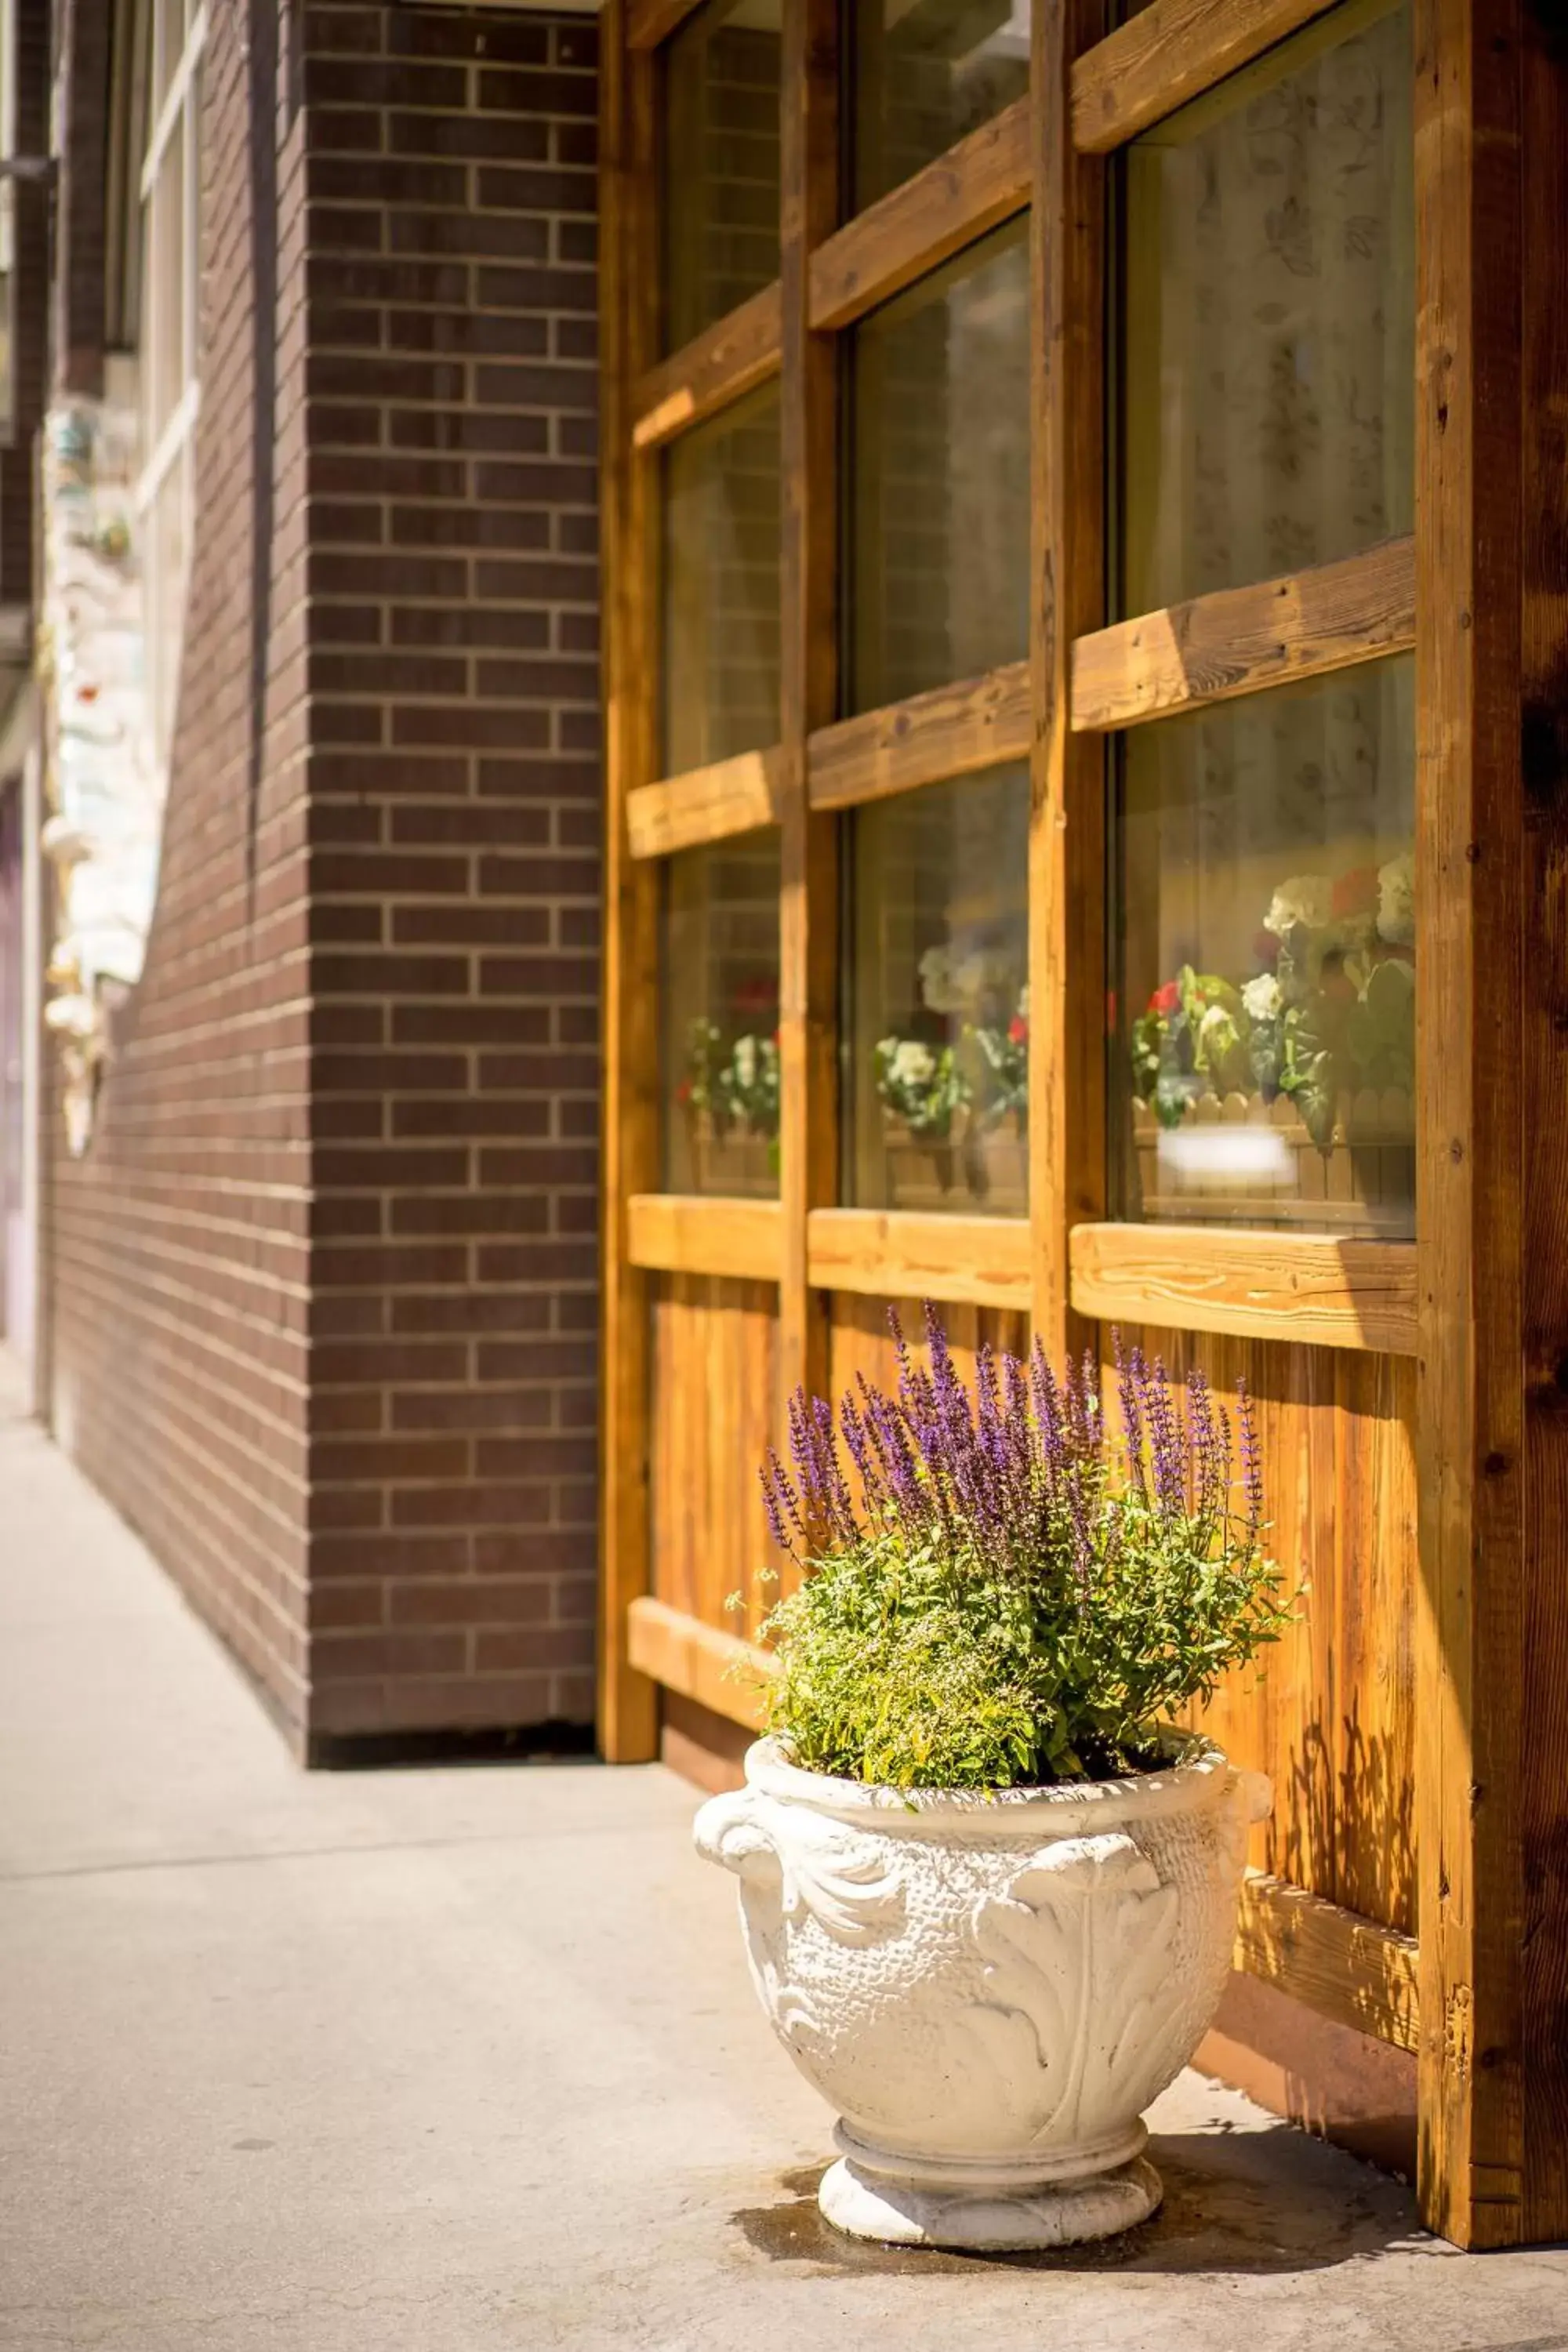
<point x="164" y="599"/>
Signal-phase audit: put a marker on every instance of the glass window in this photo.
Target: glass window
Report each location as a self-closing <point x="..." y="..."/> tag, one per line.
<point x="925" y="73"/>
<point x="720" y="1002"/>
<point x="1265" y="1071"/>
<point x="936" y="1041"/>
<point x="720" y="586"/>
<point x="721" y="195"/>
<point x="938" y="484"/>
<point x="1268" y="317"/>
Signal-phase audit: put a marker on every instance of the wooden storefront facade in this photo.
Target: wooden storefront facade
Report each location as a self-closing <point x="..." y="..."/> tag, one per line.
<point x="1085" y="561"/>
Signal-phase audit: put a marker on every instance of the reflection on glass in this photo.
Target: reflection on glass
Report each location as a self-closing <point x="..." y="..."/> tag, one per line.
<point x="937" y="1078"/>
<point x="1268" y="277"/>
<point x="927" y="71"/>
<point x="720" y="587"/>
<point x="720" y="192"/>
<point x="1266" y="1068"/>
<point x="721" y="1013"/>
<point x="939" y="476"/>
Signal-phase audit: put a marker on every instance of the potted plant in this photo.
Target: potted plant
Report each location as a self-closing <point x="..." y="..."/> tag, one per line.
<point x="988" y="1886"/>
<point x="730" y="1100"/>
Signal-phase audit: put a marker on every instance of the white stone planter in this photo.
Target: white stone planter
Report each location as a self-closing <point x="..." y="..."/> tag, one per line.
<point x="990" y="1989"/>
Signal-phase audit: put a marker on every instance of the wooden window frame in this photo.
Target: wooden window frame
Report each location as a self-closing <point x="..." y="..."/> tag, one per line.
<point x="1477" y="592"/>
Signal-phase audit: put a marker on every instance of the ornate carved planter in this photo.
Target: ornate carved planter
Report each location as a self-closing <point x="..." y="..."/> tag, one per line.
<point x="989" y="1989"/>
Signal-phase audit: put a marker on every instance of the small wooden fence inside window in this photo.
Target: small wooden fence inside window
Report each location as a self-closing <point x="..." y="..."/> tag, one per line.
<point x="1087" y="842"/>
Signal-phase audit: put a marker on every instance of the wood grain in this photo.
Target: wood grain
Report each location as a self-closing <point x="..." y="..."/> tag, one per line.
<point x="892" y="1254"/>
<point x="718" y="1670"/>
<point x="953" y="731"/>
<point x="808" y="903"/>
<point x="977" y="184"/>
<point x="1168" y="53"/>
<point x="1244" y="640"/>
<point x="1345" y="1968"/>
<point x="627" y="1701"/>
<point x="1473" y="2160"/>
<point x="1307" y="1288"/>
<point x="705" y="803"/>
<point x="713" y="1404"/>
<point x="1067" y="795"/>
<point x="1543" y="695"/>
<point x="682" y="1232"/>
<point x="649" y="22"/>
<point x="727" y="360"/>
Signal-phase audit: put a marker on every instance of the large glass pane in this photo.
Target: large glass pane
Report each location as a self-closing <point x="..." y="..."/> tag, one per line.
<point x="1268" y="317"/>
<point x="721" y="1013"/>
<point x="925" y="73"/>
<point x="937" y="1083"/>
<point x="1265" y="1071"/>
<point x="721" y="163"/>
<point x="939" y="552"/>
<point x="721" y="587"/>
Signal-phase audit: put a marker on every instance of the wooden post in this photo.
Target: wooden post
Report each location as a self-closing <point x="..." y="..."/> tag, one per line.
<point x="808" y="911"/>
<point x="628" y="1701"/>
<point x="1066" y="821"/>
<point x="1475" y="1178"/>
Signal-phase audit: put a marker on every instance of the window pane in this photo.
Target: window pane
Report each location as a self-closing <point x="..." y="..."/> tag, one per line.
<point x="1266" y="1070"/>
<point x="927" y="71"/>
<point x="721" y="587"/>
<point x="721" y="989"/>
<point x="939" y="478"/>
<point x="1268" y="277"/>
<point x="721" y="163"/>
<point x="936" y="1093"/>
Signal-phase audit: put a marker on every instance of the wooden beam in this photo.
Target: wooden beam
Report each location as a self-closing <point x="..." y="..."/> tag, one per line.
<point x="1245" y="640"/>
<point x="897" y="1253"/>
<point x="1345" y="1968"/>
<point x="690" y="1233"/>
<point x="649" y="22"/>
<point x="808" y="903"/>
<point x="953" y="731"/>
<point x="727" y="360"/>
<point x="1472" y="1168"/>
<point x="720" y="1671"/>
<point x="1067" y="796"/>
<point x="627" y="1701"/>
<point x="977" y="184"/>
<point x="1543" y="1708"/>
<point x="1168" y="53"/>
<point x="1305" y="1288"/>
<point x="705" y="803"/>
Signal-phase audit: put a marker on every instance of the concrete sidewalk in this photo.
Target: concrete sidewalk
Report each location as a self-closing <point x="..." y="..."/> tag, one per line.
<point x="439" y="2061"/>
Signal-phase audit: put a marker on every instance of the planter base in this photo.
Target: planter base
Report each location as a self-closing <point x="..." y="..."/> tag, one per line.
<point x="989" y="2209"/>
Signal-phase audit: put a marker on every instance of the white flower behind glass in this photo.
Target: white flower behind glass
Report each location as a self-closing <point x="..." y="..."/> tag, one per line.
<point x="1263" y="998"/>
<point x="1305" y="899"/>
<point x="1396" y="901"/>
<point x="913" y="1064"/>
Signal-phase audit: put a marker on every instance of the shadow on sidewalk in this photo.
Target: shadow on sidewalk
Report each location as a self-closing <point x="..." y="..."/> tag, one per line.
<point x="1255" y="2201"/>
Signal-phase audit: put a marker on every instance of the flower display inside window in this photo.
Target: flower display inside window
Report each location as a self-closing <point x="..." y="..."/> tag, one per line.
<point x="938" y="1108"/>
<point x="720" y="989"/>
<point x="1268" y="892"/>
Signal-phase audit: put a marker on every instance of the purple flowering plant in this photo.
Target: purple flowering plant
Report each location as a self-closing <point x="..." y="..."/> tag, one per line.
<point x="1001" y="1589"/>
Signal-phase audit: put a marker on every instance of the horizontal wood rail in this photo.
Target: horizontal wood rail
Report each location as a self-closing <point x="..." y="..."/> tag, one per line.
<point x="952" y="731"/>
<point x="1244" y="640"/>
<point x="1345" y="1968"/>
<point x="1333" y="1961"/>
<point x="648" y="22"/>
<point x="705" y="803"/>
<point x="1308" y="1288"/>
<point x="1168" y="53"/>
<point x="720" y="1671"/>
<point x="977" y="184"/>
<point x="715" y="368"/>
<point x="692" y="1233"/>
<point x="896" y="1253"/>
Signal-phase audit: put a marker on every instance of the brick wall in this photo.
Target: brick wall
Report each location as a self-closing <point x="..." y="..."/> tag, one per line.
<point x="322" y="1291"/>
<point x="455" y="788"/>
